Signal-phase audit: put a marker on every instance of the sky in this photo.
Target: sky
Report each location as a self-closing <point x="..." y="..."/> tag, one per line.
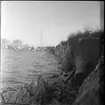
<point x="27" y="20"/>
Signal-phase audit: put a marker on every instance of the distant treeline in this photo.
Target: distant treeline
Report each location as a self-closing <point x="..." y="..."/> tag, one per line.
<point x="15" y="45"/>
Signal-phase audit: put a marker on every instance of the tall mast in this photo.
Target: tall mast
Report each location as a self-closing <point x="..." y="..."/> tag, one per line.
<point x="41" y="39"/>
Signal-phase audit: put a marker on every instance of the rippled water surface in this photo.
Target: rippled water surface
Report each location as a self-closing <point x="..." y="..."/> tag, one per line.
<point x="20" y="67"/>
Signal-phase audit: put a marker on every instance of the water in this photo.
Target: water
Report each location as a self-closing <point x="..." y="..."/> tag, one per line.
<point x="19" y="67"/>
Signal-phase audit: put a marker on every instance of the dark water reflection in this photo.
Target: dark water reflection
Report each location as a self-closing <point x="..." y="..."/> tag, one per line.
<point x="20" y="67"/>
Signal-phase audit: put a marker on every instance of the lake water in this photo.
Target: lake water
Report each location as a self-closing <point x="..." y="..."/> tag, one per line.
<point x="19" y="67"/>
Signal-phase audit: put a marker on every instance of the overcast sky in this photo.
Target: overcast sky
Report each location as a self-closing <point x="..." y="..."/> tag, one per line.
<point x="26" y="20"/>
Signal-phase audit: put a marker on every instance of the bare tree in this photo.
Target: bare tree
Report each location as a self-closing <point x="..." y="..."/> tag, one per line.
<point x="5" y="43"/>
<point x="17" y="44"/>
